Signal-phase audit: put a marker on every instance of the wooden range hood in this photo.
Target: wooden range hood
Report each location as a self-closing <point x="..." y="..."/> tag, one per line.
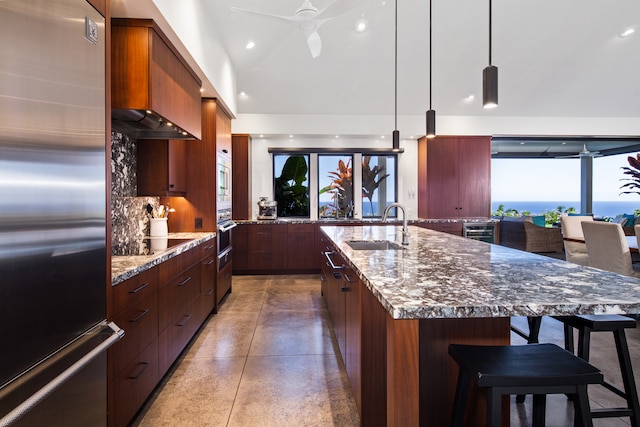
<point x="154" y="92"/>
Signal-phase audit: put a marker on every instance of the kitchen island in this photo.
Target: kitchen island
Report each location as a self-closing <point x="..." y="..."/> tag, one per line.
<point x="442" y="289"/>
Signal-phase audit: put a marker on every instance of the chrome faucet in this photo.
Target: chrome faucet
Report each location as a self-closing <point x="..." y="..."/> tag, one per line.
<point x="405" y="229"/>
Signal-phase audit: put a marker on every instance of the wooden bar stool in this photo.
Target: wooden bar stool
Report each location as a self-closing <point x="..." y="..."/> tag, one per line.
<point x="537" y="369"/>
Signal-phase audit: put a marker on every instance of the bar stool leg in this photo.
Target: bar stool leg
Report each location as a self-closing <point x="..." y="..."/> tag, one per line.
<point x="629" y="383"/>
<point x="539" y="410"/>
<point x="581" y="408"/>
<point x="494" y="407"/>
<point x="460" y="400"/>
<point x="584" y="343"/>
<point x="568" y="338"/>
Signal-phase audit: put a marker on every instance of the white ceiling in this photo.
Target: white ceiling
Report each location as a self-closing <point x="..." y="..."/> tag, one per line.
<point x="559" y="58"/>
<point x="556" y="59"/>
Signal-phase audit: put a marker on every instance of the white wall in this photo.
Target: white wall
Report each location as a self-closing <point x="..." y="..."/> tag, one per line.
<point x="262" y="166"/>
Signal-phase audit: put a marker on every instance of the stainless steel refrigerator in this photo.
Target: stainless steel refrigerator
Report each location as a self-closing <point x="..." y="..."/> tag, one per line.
<point x="53" y="333"/>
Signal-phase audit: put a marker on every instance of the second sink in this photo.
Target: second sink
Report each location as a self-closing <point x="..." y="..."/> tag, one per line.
<point x="373" y="245"/>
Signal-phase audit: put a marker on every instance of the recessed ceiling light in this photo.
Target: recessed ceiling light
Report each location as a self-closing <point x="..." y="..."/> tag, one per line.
<point x="290" y="136"/>
<point x="261" y="136"/>
<point x="626" y="33"/>
<point x="250" y="45"/>
<point x="337" y="136"/>
<point x="361" y="25"/>
<point x="201" y="89"/>
<point x="469" y="98"/>
<point x="243" y="93"/>
<point x="382" y="136"/>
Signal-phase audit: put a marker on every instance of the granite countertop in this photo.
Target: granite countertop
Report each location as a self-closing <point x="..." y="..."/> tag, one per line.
<point x="125" y="267"/>
<point x="376" y="221"/>
<point x="439" y="275"/>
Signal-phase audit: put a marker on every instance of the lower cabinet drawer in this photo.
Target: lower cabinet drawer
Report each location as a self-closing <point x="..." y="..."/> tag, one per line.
<point x="174" y="338"/>
<point x="140" y="325"/>
<point x="134" y="384"/>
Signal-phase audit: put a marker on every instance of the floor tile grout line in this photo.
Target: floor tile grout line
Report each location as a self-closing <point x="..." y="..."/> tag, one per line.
<point x="246" y="357"/>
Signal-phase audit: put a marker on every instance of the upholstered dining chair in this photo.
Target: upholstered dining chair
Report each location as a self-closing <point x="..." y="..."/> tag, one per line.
<point x="608" y="248"/>
<point x="575" y="250"/>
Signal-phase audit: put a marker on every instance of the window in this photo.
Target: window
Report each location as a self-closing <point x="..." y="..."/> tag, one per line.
<point x="378" y="184"/>
<point x="344" y="184"/>
<point x="335" y="181"/>
<point x="291" y="184"/>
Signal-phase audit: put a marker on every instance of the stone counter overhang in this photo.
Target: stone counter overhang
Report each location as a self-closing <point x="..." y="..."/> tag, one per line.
<point x="439" y="275"/>
<point x="125" y="267"/>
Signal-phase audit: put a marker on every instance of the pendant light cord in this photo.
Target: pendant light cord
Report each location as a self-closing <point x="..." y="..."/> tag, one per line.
<point x="430" y="53"/>
<point x="396" y="70"/>
<point x="490" y="32"/>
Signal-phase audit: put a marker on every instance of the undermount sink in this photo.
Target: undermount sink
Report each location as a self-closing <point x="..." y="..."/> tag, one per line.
<point x="373" y="245"/>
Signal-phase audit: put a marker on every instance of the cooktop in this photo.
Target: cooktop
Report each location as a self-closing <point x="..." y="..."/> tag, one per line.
<point x="146" y="246"/>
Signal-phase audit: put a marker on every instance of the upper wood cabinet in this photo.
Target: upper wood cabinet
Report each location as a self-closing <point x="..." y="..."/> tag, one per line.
<point x="454" y="177"/>
<point x="149" y="75"/>
<point x="162" y="167"/>
<point x="241" y="176"/>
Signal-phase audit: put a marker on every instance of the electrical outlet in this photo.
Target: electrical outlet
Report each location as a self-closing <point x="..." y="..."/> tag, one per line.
<point x="198" y="223"/>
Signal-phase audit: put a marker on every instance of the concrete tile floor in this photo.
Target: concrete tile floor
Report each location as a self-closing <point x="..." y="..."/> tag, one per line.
<point x="269" y="358"/>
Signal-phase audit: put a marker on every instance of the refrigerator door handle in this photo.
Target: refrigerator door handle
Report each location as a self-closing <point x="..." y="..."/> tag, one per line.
<point x="116" y="334"/>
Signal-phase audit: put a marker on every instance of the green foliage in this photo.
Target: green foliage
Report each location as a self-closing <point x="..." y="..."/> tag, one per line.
<point x="341" y="190"/>
<point x="369" y="182"/>
<point x="633" y="173"/>
<point x="292" y="196"/>
<point x="550" y="217"/>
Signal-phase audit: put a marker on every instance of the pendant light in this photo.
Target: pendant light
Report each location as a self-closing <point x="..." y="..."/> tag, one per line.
<point x="431" y="113"/>
<point x="490" y="77"/>
<point x="396" y="132"/>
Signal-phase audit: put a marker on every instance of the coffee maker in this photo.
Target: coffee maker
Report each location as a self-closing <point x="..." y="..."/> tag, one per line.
<point x="267" y="209"/>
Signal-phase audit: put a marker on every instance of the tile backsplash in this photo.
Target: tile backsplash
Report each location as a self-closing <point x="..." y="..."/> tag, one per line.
<point x="129" y="218"/>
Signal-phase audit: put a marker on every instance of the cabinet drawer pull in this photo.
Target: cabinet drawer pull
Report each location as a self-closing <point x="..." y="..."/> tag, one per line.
<point x="209" y="293"/>
<point x="322" y="278"/>
<point x="227" y="275"/>
<point x="335" y="267"/>
<point x="344" y="289"/>
<point x="185" y="281"/>
<point x="336" y="275"/>
<point x="144" y="366"/>
<point x="347" y="278"/>
<point x="185" y="319"/>
<point x="140" y="316"/>
<point x="209" y="247"/>
<point x="139" y="288"/>
<point x="212" y="261"/>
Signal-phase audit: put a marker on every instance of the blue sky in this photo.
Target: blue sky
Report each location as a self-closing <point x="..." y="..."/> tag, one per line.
<point x="556" y="179"/>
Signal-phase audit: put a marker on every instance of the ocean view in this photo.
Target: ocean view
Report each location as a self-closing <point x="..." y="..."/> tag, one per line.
<point x="600" y="209"/>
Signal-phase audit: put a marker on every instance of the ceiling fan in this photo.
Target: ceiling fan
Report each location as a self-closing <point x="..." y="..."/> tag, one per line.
<point x="584" y="153"/>
<point x="308" y="19"/>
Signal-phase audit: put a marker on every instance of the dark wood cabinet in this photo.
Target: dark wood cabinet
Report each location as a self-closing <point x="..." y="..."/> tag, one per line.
<point x="162" y="167"/>
<point x="160" y="310"/>
<point x="301" y="246"/>
<point x="223" y="281"/>
<point x="149" y="74"/>
<point x="454" y="177"/>
<point x="208" y="273"/>
<point x="276" y="248"/>
<point x="259" y="248"/>
<point x="133" y="361"/>
<point x="359" y="324"/>
<point x="241" y="176"/>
